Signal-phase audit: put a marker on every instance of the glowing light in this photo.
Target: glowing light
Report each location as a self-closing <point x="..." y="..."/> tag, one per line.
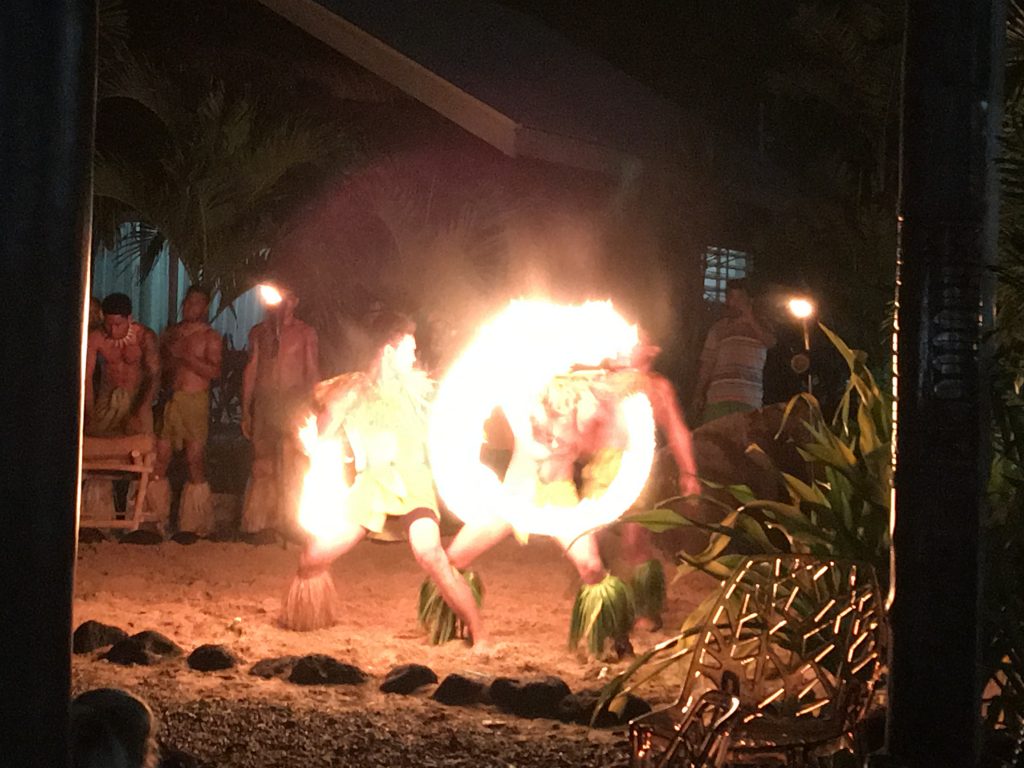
<point x="324" y="490"/>
<point x="512" y="359"/>
<point x="800" y="308"/>
<point x="270" y="295"/>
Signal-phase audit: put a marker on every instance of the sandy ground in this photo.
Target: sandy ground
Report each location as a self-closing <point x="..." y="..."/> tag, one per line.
<point x="230" y="593"/>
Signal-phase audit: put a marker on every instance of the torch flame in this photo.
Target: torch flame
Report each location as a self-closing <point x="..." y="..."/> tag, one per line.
<point x="513" y="357"/>
<point x="270" y="295"/>
<point x="324" y="490"/>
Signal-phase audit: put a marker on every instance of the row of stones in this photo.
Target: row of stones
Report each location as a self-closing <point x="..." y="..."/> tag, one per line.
<point x="545" y="697"/>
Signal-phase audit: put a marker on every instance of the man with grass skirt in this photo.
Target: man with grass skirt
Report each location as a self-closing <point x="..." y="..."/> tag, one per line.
<point x="381" y="415"/>
<point x="674" y="472"/>
<point x="568" y="446"/>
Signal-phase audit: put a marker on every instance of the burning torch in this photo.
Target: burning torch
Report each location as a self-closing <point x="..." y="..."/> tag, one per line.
<point x="802" y="309"/>
<point x="272" y="298"/>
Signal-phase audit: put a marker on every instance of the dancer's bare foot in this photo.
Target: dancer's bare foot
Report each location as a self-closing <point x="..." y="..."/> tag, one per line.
<point x="487" y="649"/>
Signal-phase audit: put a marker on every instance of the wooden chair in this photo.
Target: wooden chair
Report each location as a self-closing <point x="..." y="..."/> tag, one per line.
<point x="799" y="641"/>
<point x="134" y="455"/>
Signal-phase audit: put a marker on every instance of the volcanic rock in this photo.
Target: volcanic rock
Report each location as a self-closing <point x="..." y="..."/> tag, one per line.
<point x="209" y="658"/>
<point x="147" y="647"/>
<point x="319" y="669"/>
<point x="90" y="536"/>
<point x="459" y="690"/>
<point x="142" y="536"/>
<point x="579" y="708"/>
<point x="280" y="666"/>
<point x="406" y="678"/>
<point x="532" y="698"/>
<point x="91" y="635"/>
<point x="177" y="758"/>
<point x="261" y="538"/>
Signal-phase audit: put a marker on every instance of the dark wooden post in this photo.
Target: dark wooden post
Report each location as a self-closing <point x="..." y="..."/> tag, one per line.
<point x="47" y="98"/>
<point x="949" y="206"/>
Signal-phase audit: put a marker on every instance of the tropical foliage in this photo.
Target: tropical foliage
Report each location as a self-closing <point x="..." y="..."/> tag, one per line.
<point x="1003" y="568"/>
<point x="839" y="509"/>
<point x="218" y="177"/>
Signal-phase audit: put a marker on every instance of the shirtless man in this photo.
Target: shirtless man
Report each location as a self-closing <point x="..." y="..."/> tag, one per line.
<point x="276" y="385"/>
<point x="130" y="365"/>
<point x="382" y="414"/>
<point x="191" y="352"/>
<point x="674" y="471"/>
<point x="574" y="422"/>
<point x="122" y="369"/>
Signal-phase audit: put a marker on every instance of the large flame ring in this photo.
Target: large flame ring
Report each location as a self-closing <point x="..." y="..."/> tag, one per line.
<point x="508" y="364"/>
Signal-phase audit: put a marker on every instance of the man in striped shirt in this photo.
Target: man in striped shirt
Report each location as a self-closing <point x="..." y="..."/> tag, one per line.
<point x="731" y="378"/>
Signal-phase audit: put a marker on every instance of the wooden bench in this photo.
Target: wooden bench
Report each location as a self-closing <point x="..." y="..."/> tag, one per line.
<point x="131" y="455"/>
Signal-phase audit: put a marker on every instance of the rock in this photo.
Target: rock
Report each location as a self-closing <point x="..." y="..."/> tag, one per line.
<point x="177" y="758"/>
<point x="319" y="669"/>
<point x="635" y="706"/>
<point x="146" y="647"/>
<point x="459" y="690"/>
<point x="185" y="537"/>
<point x="142" y="536"/>
<point x="406" y="678"/>
<point x="208" y="658"/>
<point x="261" y="538"/>
<point x="533" y="698"/>
<point x="579" y="708"/>
<point x="280" y="666"/>
<point x="572" y="710"/>
<point x="90" y="536"/>
<point x="91" y="635"/>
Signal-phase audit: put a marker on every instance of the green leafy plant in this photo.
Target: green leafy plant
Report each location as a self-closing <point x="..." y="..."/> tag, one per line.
<point x="1003" y="571"/>
<point x="217" y="178"/>
<point x="840" y="509"/>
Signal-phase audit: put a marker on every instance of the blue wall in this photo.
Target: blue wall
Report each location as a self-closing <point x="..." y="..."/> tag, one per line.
<point x="150" y="299"/>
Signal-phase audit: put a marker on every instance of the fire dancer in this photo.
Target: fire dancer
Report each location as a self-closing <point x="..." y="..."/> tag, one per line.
<point x="674" y="471"/>
<point x="276" y="385"/>
<point x="574" y="431"/>
<point x="580" y="432"/>
<point x="191" y="351"/>
<point x="381" y="415"/>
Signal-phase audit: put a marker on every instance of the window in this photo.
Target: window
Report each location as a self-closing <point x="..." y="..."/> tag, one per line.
<point x="720" y="266"/>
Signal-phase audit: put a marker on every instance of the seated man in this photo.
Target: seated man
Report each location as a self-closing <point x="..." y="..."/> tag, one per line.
<point x="119" y="401"/>
<point x="110" y="728"/>
<point x="130" y="368"/>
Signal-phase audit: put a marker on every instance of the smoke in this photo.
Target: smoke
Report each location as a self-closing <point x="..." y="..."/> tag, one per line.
<point x="449" y="238"/>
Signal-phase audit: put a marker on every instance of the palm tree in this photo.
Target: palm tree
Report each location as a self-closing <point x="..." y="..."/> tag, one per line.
<point x="216" y="179"/>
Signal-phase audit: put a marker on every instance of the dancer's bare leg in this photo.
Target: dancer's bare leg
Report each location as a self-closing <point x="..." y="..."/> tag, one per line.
<point x="637" y="544"/>
<point x="637" y="549"/>
<point x="318" y="555"/>
<point x="473" y="539"/>
<point x="425" y="540"/>
<point x="584" y="554"/>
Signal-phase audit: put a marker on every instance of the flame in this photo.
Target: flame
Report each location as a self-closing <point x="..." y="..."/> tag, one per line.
<point x="270" y="295"/>
<point x="509" y="363"/>
<point x="324" y="490"/>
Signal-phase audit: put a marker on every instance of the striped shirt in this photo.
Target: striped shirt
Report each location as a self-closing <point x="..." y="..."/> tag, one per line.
<point x="734" y="353"/>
